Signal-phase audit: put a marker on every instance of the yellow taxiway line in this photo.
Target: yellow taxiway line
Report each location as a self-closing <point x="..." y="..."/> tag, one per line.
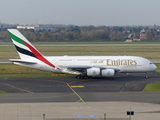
<point x="77" y="86"/>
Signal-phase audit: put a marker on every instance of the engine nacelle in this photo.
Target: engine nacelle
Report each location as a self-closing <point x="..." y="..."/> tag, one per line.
<point x="93" y="71"/>
<point x="108" y="72"/>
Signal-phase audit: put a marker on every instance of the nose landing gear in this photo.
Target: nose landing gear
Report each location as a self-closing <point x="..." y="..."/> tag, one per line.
<point x="146" y="76"/>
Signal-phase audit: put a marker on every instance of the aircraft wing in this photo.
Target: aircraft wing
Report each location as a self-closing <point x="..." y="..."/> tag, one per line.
<point x="83" y="69"/>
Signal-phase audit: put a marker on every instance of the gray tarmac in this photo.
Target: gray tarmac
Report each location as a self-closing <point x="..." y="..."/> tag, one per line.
<point x="69" y="89"/>
<point x="68" y="98"/>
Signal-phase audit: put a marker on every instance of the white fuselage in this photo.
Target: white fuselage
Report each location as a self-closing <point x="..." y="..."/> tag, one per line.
<point x="119" y="63"/>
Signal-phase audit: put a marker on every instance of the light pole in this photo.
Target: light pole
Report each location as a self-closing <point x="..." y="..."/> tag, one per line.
<point x="105" y="116"/>
<point x="130" y="113"/>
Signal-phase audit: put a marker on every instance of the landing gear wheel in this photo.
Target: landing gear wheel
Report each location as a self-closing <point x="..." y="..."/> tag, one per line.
<point x="85" y="77"/>
<point x="78" y="77"/>
<point x="146" y="76"/>
<point x="89" y="77"/>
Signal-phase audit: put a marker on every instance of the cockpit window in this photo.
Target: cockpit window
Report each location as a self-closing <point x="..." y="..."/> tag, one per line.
<point x="151" y="63"/>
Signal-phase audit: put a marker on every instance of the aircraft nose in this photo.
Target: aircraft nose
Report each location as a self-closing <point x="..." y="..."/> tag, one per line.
<point x="154" y="67"/>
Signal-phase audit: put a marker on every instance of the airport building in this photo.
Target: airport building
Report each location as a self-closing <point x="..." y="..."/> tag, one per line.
<point x="142" y="35"/>
<point x="37" y="28"/>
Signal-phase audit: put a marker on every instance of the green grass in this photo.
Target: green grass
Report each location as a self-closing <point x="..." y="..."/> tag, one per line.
<point x="152" y="87"/>
<point x="25" y="75"/>
<point x="33" y="75"/>
<point x="147" y="51"/>
<point x="11" y="70"/>
<point x="3" y="91"/>
<point x="158" y="67"/>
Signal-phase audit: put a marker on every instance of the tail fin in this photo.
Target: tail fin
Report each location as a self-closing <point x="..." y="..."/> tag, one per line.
<point x="24" y="48"/>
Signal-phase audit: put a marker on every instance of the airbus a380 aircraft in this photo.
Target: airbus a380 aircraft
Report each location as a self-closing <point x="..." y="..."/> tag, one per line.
<point x="82" y="66"/>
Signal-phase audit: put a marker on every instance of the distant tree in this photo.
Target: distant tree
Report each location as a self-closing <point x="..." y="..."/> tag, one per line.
<point x="157" y="38"/>
<point x="86" y="33"/>
<point x="45" y="36"/>
<point x="150" y="35"/>
<point x="4" y="36"/>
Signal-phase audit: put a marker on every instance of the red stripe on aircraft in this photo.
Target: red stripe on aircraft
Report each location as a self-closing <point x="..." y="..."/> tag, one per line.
<point x="38" y="55"/>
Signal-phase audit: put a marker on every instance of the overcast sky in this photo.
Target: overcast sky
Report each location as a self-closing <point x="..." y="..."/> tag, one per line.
<point x="81" y="12"/>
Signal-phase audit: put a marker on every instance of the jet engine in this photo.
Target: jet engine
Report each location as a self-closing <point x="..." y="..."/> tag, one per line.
<point x="108" y="72"/>
<point x="98" y="71"/>
<point x="93" y="71"/>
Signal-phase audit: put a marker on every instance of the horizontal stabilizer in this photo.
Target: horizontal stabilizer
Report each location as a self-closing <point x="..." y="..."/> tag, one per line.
<point x="22" y="61"/>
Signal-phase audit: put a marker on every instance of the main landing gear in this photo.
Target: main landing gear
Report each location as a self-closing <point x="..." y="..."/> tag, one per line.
<point x="83" y="77"/>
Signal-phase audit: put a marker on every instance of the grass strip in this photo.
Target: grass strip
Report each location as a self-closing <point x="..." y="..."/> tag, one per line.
<point x="3" y="91"/>
<point x="158" y="67"/>
<point x="149" y="51"/>
<point x="152" y="87"/>
<point x="11" y="70"/>
<point x="25" y="75"/>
